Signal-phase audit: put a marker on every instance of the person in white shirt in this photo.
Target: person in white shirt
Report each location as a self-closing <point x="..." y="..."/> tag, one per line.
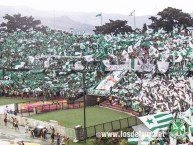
<point x="6" y="110"/>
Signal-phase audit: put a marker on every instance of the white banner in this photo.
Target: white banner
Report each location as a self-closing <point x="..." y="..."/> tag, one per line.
<point x="146" y="67"/>
<point x="117" y="67"/>
<point x="98" y="92"/>
<point x="110" y="80"/>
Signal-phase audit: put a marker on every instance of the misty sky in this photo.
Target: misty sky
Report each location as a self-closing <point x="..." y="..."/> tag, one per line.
<point x="141" y="7"/>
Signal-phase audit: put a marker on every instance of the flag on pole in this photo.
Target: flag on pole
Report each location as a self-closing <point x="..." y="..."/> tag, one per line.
<point x="99" y="15"/>
<point x="131" y="13"/>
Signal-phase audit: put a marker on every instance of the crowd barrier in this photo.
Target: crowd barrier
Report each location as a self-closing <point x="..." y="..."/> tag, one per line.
<point x="29" y="109"/>
<point x="112" y="126"/>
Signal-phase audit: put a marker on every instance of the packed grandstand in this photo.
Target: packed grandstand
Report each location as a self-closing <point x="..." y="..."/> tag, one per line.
<point x="149" y="72"/>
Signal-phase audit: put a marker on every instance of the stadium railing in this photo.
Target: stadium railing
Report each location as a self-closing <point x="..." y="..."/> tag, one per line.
<point x="115" y="125"/>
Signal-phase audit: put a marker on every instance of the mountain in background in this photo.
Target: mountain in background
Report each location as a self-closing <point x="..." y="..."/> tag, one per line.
<point x="80" y="21"/>
<point x="91" y="19"/>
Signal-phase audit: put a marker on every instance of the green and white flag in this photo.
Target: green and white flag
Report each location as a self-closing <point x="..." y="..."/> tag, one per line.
<point x="19" y="65"/>
<point x="137" y="44"/>
<point x="99" y="15"/>
<point x="129" y="49"/>
<point x="89" y="58"/>
<point x="156" y="122"/>
<point x="1" y="73"/>
<point x="106" y="62"/>
<point x="66" y="67"/>
<point x="145" y="140"/>
<point x="133" y="140"/>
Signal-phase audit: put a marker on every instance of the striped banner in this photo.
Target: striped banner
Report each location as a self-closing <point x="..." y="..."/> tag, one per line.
<point x="156" y="122"/>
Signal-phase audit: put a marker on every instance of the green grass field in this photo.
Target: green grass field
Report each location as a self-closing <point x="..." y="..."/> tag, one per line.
<point x="73" y="117"/>
<point x="6" y="100"/>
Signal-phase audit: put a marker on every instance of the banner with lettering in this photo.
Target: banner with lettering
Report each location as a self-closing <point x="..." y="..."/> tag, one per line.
<point x="146" y="67"/>
<point x="117" y="67"/>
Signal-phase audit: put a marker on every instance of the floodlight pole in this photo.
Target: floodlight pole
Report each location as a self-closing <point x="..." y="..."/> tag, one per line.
<point x="101" y="19"/>
<point x="84" y="89"/>
<point x="134" y="19"/>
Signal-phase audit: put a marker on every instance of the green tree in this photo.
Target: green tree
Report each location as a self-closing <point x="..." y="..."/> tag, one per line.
<point x="18" y="22"/>
<point x="170" y="18"/>
<point x="113" y="27"/>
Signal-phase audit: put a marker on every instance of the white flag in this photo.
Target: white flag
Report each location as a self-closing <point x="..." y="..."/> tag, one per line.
<point x="89" y="58"/>
<point x="130" y="49"/>
<point x="31" y="59"/>
<point x="106" y="63"/>
<point x="19" y="65"/>
<point x="46" y="64"/>
<point x="78" y="65"/>
<point x="163" y="66"/>
<point x="125" y="54"/>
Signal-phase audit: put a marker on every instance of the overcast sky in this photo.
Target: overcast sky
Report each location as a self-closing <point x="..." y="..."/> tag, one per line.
<point x="141" y="7"/>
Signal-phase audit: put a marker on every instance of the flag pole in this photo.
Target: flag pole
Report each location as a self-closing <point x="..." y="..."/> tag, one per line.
<point x="54" y="19"/>
<point x="134" y="19"/>
<point x="101" y="19"/>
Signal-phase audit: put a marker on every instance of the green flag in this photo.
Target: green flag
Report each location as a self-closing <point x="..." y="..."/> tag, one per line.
<point x="99" y="15"/>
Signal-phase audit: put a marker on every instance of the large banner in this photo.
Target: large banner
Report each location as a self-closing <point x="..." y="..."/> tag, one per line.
<point x="146" y="67"/>
<point x="98" y="92"/>
<point x="110" y="80"/>
<point x="117" y="67"/>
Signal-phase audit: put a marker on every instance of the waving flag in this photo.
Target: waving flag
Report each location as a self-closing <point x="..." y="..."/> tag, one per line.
<point x="156" y="122"/>
<point x="99" y="15"/>
<point x="132" y="13"/>
<point x="19" y="65"/>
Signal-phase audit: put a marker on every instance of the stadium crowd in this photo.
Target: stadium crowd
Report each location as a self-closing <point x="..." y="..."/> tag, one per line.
<point x="43" y="64"/>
